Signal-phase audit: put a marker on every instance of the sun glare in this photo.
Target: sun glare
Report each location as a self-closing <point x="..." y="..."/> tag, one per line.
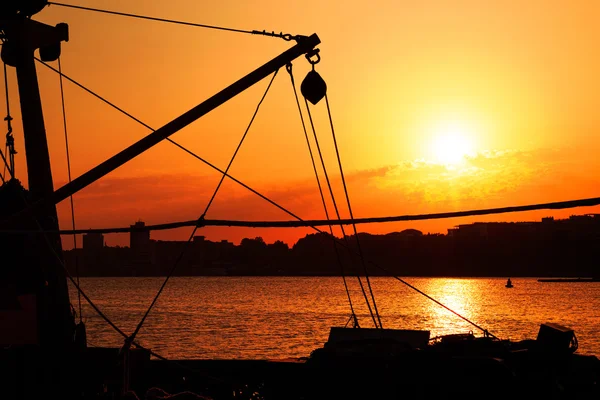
<point x="451" y="143"/>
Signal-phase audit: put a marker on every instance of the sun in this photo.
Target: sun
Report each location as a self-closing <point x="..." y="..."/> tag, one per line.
<point x="451" y="143"/>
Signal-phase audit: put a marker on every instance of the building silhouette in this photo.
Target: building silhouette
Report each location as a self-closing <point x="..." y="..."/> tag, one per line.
<point x="545" y="248"/>
<point x="93" y="241"/>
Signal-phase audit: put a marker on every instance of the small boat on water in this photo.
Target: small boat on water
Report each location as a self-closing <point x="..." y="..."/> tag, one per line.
<point x="508" y="284"/>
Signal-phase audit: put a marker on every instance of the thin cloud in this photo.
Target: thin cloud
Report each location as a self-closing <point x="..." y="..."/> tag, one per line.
<point x="487" y="179"/>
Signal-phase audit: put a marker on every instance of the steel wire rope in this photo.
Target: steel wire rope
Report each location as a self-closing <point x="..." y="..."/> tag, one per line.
<point x="172" y="21"/>
<point x="8" y="120"/>
<point x="64" y="116"/>
<point x="67" y="273"/>
<point x="176" y="144"/>
<point x="100" y="313"/>
<point x="2" y="176"/>
<point x="312" y="159"/>
<point x="586" y="202"/>
<point x="299" y="222"/>
<point x="238" y="147"/>
<point x="107" y="320"/>
<point x="313" y="223"/>
<point x="309" y="223"/>
<point x="362" y="257"/>
<point x="485" y="331"/>
<point x="184" y="248"/>
<point x="76" y="283"/>
<point x="4" y="162"/>
<point x="337" y="212"/>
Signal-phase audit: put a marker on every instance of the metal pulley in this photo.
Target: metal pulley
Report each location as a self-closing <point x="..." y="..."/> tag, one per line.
<point x="313" y="87"/>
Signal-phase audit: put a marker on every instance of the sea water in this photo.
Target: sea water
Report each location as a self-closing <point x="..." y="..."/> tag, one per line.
<point x="282" y="317"/>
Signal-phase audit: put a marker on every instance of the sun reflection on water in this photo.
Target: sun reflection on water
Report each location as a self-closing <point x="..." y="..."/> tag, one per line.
<point x="280" y="317"/>
<point x="459" y="295"/>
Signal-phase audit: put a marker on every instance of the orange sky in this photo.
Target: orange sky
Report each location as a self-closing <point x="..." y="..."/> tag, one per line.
<point x="438" y="106"/>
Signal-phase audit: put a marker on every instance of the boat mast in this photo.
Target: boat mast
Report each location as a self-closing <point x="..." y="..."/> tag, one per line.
<point x="22" y="37"/>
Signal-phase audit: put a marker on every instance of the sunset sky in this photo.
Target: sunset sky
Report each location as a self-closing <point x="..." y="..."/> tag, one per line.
<point x="438" y="106"/>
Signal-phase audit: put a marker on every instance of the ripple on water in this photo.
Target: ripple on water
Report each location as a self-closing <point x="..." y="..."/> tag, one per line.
<point x="280" y="317"/>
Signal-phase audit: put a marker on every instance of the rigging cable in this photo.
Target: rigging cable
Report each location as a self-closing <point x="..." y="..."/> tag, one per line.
<point x="97" y="309"/>
<point x="301" y="222"/>
<point x="238" y="147"/>
<point x="82" y="293"/>
<point x="206" y="162"/>
<point x="362" y="257"/>
<point x="149" y="18"/>
<point x="286" y="36"/>
<point x="337" y="212"/>
<point x="64" y="115"/>
<point x="8" y="164"/>
<point x="311" y="223"/>
<point x="312" y="159"/>
<point x="485" y="331"/>
<point x="199" y="223"/>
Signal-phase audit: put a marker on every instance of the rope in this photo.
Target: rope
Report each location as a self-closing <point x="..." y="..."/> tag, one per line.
<point x="238" y="146"/>
<point x="4" y="162"/>
<point x="130" y="339"/>
<point x="195" y="222"/>
<point x="199" y="222"/>
<point x="8" y="164"/>
<point x="485" y="331"/>
<point x="76" y="284"/>
<point x="337" y="212"/>
<point x="102" y="315"/>
<point x="309" y="223"/>
<point x="151" y="18"/>
<point x="64" y="115"/>
<point x="2" y="176"/>
<point x="107" y="320"/>
<point x="68" y="274"/>
<point x="312" y="159"/>
<point x="300" y="222"/>
<point x="362" y="258"/>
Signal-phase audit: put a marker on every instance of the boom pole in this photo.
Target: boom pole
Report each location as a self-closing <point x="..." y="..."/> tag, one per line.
<point x="304" y="45"/>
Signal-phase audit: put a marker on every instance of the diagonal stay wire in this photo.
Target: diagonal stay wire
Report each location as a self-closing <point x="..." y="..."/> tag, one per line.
<point x="5" y="164"/>
<point x="97" y="309"/>
<point x="68" y="274"/>
<point x="185" y="246"/>
<point x="309" y="223"/>
<point x="174" y="143"/>
<point x="64" y="115"/>
<point x="8" y="119"/>
<point x="104" y="317"/>
<point x="238" y="146"/>
<point x="593" y="201"/>
<point x="312" y="159"/>
<point x="362" y="257"/>
<point x="485" y="331"/>
<point x="337" y="212"/>
<point x="123" y="14"/>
